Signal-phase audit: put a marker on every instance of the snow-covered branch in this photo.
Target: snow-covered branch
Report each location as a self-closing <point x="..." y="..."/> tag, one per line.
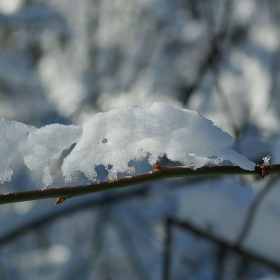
<point x="116" y="139"/>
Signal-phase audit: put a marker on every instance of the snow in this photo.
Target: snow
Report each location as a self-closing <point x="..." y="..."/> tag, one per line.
<point x="116" y="138"/>
<point x="125" y="134"/>
<point x="9" y="7"/>
<point x="11" y="134"/>
<point x="46" y="144"/>
<point x="266" y="159"/>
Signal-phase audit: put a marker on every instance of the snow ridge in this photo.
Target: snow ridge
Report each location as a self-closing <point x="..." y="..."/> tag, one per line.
<point x="115" y="139"/>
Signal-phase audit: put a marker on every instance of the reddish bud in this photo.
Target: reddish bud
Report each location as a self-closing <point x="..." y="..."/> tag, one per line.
<point x="156" y="166"/>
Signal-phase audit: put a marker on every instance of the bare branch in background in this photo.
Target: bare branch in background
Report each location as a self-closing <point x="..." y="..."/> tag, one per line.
<point x="253" y="210"/>
<point x="167" y="251"/>
<point x="222" y="243"/>
<point x="56" y="213"/>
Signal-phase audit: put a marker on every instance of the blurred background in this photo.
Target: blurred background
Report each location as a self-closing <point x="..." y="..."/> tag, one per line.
<point x="61" y="61"/>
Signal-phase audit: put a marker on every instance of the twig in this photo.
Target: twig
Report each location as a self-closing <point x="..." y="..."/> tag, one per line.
<point x="163" y="173"/>
<point x="225" y="103"/>
<point x="56" y="213"/>
<point x="252" y="212"/>
<point x="132" y="255"/>
<point x="226" y="244"/>
<point x="167" y="251"/>
<point x="214" y="53"/>
<point x="221" y="256"/>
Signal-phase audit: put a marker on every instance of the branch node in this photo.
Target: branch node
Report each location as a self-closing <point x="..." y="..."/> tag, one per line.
<point x="156" y="166"/>
<point x="262" y="169"/>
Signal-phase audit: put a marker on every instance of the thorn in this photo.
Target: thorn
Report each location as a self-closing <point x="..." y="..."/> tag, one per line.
<point x="60" y="200"/>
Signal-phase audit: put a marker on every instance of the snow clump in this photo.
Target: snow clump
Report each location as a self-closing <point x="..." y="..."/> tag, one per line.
<point x="116" y="138"/>
<point x="126" y="134"/>
<point x="12" y="133"/>
<point x="46" y="144"/>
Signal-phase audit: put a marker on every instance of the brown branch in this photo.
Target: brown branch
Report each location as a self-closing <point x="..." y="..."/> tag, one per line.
<point x="157" y="174"/>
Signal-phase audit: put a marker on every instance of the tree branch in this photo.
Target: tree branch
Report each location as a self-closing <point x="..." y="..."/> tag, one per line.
<point x="252" y="212"/>
<point x="167" y="251"/>
<point x="222" y="243"/>
<point x="42" y="218"/>
<point x="156" y="174"/>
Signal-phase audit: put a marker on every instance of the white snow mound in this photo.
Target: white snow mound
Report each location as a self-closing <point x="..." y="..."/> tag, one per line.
<point x="11" y="135"/>
<point x="121" y="135"/>
<point x="43" y="145"/>
<point x="116" y="138"/>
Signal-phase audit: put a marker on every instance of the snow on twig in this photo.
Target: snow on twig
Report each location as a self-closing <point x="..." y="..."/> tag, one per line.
<point x="116" y="138"/>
